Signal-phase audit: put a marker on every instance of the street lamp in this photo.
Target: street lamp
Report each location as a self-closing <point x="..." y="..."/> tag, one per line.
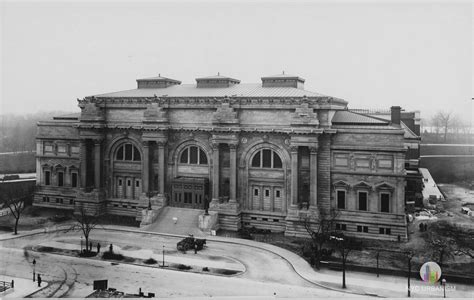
<point x="34" y="269"/>
<point x="163" y="256"/>
<point x="444" y="287"/>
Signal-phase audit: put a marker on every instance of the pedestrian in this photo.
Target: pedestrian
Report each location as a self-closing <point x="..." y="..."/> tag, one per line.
<point x="39" y="280"/>
<point x="195" y="248"/>
<point x="98" y="248"/>
<point x="111" y="248"/>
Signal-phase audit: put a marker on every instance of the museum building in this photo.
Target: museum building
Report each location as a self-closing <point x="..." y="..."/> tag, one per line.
<point x="269" y="155"/>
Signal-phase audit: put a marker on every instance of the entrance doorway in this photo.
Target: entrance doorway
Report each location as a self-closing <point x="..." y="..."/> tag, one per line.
<point x="189" y="192"/>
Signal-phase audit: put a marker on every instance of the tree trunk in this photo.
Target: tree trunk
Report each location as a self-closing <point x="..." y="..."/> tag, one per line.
<point x="87" y="242"/>
<point x="16" y="225"/>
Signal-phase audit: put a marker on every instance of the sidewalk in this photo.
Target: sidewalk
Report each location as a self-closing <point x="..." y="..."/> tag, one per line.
<point x="23" y="287"/>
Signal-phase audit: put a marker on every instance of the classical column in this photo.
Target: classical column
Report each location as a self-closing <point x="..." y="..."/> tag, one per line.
<point x="215" y="172"/>
<point x="294" y="176"/>
<point x="161" y="167"/>
<point x="233" y="172"/>
<point x="83" y="163"/>
<point x="313" y="165"/>
<point x="146" y="166"/>
<point x="97" y="173"/>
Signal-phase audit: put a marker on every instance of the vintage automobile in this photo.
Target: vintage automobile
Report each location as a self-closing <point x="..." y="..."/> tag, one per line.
<point x="189" y="242"/>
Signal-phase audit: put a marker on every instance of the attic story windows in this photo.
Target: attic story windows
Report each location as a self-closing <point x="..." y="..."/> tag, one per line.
<point x="128" y="152"/>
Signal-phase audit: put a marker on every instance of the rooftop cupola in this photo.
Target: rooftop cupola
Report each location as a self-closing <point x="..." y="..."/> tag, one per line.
<point x="283" y="80"/>
<point x="156" y="82"/>
<point x="216" y="81"/>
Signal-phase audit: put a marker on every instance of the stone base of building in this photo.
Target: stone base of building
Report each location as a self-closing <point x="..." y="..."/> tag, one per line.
<point x="229" y="213"/>
<point x="208" y="222"/>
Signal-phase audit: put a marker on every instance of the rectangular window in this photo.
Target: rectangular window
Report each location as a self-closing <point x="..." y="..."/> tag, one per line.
<point x="129" y="182"/>
<point x="362" y="196"/>
<point x="341" y="199"/>
<point x="71" y="201"/>
<point x="264" y="219"/>
<point x="48" y="148"/>
<point x="388" y="231"/>
<point x="75" y="150"/>
<point x="44" y="199"/>
<point x="340" y="226"/>
<point x="60" y="178"/>
<point x="278" y="194"/>
<point x="359" y="228"/>
<point x="385" y="202"/>
<point x="74" y="179"/>
<point x="276" y="220"/>
<point x="47" y="178"/>
<point x="62" y="149"/>
<point x="366" y="229"/>
<point x="267" y="193"/>
<point x="137" y="183"/>
<point x="382" y="230"/>
<point x="255" y="192"/>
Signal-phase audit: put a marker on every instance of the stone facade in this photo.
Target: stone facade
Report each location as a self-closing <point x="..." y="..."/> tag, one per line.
<point x="260" y="155"/>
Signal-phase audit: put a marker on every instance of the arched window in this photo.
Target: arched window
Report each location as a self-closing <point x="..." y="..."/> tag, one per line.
<point x="128" y="152"/>
<point x="266" y="158"/>
<point x="193" y="155"/>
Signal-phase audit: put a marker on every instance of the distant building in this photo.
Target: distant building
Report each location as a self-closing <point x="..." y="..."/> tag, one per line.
<point x="264" y="155"/>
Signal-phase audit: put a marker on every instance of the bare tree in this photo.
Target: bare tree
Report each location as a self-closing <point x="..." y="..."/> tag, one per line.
<point x="14" y="197"/>
<point x="443" y="120"/>
<point x="460" y="239"/>
<point x="320" y="228"/>
<point x="345" y="245"/>
<point x="85" y="222"/>
<point x="441" y="247"/>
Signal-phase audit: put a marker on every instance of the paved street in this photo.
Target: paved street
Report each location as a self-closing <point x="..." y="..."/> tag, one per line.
<point x="265" y="274"/>
<point x="268" y="269"/>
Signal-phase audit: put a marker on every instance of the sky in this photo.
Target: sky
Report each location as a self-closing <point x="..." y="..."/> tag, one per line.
<point x="374" y="55"/>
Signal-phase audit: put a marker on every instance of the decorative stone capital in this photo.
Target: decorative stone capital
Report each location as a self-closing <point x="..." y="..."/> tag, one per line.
<point x="215" y="146"/>
<point x="313" y="150"/>
<point x="294" y="149"/>
<point x="161" y="143"/>
<point x="233" y="146"/>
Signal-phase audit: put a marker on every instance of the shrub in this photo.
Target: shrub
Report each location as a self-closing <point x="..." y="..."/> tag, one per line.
<point x="183" y="267"/>
<point x="205" y="269"/>
<point x="150" y="261"/>
<point x="112" y="255"/>
<point x="87" y="254"/>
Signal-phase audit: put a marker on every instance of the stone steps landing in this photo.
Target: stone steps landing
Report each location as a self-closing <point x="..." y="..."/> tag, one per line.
<point x="187" y="222"/>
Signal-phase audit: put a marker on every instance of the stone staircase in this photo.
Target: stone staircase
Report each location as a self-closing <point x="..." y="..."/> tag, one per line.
<point x="187" y="221"/>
